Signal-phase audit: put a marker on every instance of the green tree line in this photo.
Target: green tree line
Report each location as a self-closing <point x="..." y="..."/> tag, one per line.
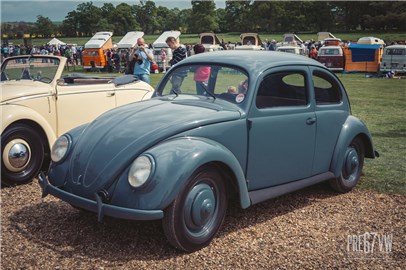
<point x="237" y="16"/>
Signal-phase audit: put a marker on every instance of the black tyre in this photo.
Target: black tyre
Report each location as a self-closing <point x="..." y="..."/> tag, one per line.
<point x="195" y="216"/>
<point x="22" y="152"/>
<point x="351" y="168"/>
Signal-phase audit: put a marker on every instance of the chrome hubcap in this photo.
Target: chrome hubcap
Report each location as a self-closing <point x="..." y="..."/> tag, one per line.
<point x="16" y="155"/>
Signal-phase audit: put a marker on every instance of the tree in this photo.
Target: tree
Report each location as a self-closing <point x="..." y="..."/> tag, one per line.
<point x="123" y="19"/>
<point x="145" y="14"/>
<point x="88" y="18"/>
<point x="69" y="26"/>
<point x="44" y="26"/>
<point x="203" y="17"/>
<point x="237" y="16"/>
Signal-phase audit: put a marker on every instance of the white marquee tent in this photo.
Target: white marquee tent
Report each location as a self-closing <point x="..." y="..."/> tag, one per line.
<point x="56" y="41"/>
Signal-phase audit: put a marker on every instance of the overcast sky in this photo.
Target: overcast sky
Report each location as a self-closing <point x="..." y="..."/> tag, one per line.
<point x="56" y="10"/>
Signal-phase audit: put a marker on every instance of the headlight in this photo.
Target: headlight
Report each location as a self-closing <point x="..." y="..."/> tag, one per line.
<point x="140" y="171"/>
<point x="60" y="148"/>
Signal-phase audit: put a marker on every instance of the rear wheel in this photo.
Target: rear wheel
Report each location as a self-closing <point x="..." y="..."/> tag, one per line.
<point x="351" y="168"/>
<point x="22" y="152"/>
<point x="195" y="216"/>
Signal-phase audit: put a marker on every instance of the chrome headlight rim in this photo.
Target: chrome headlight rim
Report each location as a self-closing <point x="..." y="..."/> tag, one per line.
<point x="143" y="159"/>
<point x="64" y="141"/>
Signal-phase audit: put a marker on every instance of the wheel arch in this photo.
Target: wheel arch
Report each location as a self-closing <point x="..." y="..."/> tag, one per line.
<point x="352" y="128"/>
<point x="187" y="154"/>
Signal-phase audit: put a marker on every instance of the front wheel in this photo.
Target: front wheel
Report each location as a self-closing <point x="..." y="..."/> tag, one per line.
<point x="351" y="168"/>
<point x="195" y="216"/>
<point x="22" y="152"/>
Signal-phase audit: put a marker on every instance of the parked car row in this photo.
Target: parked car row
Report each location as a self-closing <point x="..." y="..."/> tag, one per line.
<point x="265" y="124"/>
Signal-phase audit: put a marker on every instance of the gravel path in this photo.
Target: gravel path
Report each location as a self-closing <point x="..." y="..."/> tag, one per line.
<point x="311" y="229"/>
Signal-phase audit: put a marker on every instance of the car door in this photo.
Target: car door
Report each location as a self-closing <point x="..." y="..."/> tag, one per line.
<point x="283" y="129"/>
<point x="79" y="104"/>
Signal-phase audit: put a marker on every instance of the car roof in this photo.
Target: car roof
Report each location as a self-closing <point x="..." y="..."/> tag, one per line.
<point x="252" y="61"/>
<point x="397" y="46"/>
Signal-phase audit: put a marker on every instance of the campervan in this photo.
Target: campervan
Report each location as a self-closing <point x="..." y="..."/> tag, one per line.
<point x="250" y="41"/>
<point x="210" y="41"/>
<point x="124" y="47"/>
<point x="394" y="58"/>
<point x="332" y="57"/>
<point x="93" y="55"/>
<point x="160" y="43"/>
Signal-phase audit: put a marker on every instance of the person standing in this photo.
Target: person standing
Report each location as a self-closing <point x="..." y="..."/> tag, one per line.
<point x="202" y="73"/>
<point x="143" y="59"/>
<point x="178" y="54"/>
<point x="163" y="60"/>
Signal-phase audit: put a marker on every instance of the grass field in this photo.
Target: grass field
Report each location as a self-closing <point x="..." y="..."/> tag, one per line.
<point x="232" y="37"/>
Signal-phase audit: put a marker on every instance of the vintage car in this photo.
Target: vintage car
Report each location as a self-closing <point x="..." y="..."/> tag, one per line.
<point x="210" y="41"/>
<point x="250" y="42"/>
<point x="268" y="123"/>
<point x="38" y="105"/>
<point x="332" y="57"/>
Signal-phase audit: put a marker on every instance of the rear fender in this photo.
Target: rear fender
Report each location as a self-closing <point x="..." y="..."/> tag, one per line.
<point x="352" y="128"/>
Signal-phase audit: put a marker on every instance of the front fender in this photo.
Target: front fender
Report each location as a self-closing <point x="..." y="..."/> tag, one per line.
<point x="352" y="128"/>
<point x="175" y="162"/>
<point x="13" y="113"/>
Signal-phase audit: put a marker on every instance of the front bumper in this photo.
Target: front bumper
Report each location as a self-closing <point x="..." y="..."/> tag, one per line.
<point x="97" y="206"/>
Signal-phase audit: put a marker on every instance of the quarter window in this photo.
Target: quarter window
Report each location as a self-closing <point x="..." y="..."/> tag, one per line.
<point x="327" y="91"/>
<point x="282" y="89"/>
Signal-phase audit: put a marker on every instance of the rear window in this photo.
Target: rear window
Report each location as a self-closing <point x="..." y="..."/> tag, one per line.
<point x="393" y="51"/>
<point x="207" y="40"/>
<point x="248" y="41"/>
<point x="329" y="52"/>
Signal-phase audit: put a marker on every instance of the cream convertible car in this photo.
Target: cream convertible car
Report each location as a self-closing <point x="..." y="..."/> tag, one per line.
<point x="38" y="104"/>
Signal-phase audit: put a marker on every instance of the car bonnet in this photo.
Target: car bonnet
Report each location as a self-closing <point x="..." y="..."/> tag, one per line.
<point x="110" y="143"/>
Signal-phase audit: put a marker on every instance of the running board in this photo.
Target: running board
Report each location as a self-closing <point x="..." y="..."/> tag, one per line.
<point x="261" y="195"/>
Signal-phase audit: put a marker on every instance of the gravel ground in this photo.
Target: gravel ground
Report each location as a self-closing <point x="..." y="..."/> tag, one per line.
<point x="314" y="228"/>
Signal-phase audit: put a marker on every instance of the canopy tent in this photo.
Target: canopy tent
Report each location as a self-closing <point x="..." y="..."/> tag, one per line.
<point x="56" y="41"/>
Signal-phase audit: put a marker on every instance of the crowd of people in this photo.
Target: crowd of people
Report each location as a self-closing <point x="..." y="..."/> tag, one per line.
<point x="140" y="59"/>
<point x="72" y="52"/>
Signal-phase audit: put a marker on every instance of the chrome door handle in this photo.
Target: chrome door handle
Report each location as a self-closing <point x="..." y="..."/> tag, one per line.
<point x="311" y="120"/>
<point x="110" y="94"/>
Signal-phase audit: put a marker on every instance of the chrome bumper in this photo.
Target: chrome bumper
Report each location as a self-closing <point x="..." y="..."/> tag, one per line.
<point x="97" y="206"/>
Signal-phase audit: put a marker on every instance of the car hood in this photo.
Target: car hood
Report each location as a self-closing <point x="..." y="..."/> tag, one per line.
<point x="22" y="88"/>
<point x="109" y="144"/>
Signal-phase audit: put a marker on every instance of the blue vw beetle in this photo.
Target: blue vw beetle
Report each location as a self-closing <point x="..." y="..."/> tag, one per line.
<point x="253" y="124"/>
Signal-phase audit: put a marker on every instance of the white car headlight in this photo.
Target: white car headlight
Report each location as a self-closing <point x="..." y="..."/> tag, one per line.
<point x="60" y="148"/>
<point x="140" y="171"/>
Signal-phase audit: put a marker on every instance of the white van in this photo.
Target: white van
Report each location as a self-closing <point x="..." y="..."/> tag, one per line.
<point x="160" y="43"/>
<point x="394" y="58"/>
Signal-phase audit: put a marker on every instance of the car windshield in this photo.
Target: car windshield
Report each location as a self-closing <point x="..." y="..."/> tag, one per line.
<point x="212" y="81"/>
<point x="30" y="68"/>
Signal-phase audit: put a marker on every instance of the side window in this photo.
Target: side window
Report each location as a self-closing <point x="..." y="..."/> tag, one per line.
<point x="282" y="89"/>
<point x="326" y="90"/>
